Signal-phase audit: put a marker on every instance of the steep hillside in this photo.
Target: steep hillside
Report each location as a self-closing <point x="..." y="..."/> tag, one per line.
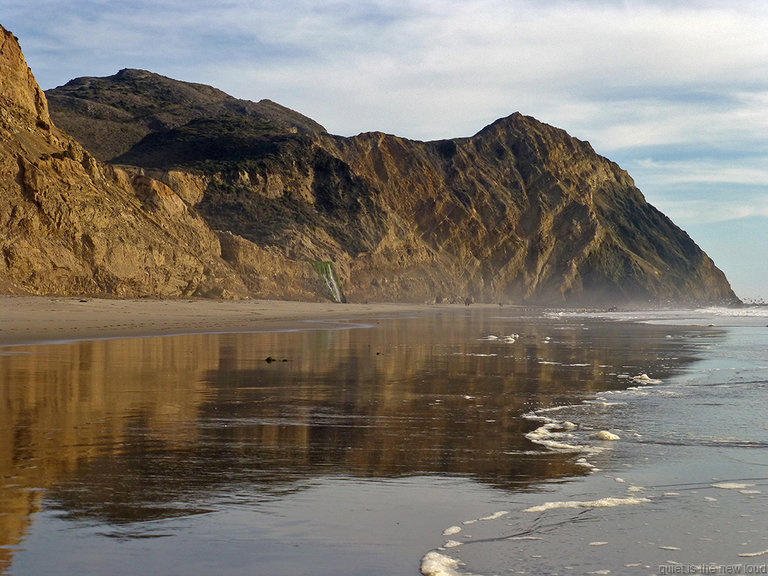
<point x="520" y="212"/>
<point x="132" y="104"/>
<point x="71" y="225"/>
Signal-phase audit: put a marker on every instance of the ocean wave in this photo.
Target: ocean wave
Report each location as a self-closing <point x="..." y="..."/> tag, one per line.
<point x="747" y="311"/>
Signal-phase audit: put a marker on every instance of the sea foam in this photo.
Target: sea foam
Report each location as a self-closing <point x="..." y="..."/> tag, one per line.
<point x="604" y="435"/>
<point x="731" y="485"/>
<point x="436" y="564"/>
<point x="601" y="503"/>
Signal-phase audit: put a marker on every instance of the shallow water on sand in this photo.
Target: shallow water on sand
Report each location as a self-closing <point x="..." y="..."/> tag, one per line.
<point x="362" y="443"/>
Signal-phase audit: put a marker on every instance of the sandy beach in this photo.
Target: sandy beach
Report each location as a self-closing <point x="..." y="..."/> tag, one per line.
<point x="426" y="441"/>
<point x="34" y="319"/>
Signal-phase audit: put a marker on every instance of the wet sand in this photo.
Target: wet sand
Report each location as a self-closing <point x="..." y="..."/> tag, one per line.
<point x="37" y="319"/>
<point x="376" y="450"/>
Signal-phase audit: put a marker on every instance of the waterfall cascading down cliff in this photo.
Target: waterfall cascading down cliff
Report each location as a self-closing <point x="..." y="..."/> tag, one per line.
<point x="326" y="272"/>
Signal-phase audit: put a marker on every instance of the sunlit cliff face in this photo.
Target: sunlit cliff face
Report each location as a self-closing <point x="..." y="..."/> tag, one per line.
<point x="127" y="430"/>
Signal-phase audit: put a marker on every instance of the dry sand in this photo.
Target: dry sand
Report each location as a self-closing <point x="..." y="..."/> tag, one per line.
<point x="34" y="319"/>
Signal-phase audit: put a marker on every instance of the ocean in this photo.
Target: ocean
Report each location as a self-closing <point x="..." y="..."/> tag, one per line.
<point x="485" y="441"/>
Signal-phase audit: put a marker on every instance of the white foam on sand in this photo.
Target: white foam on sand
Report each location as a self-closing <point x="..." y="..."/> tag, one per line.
<point x="550" y="435"/>
<point x="645" y="379"/>
<point x="436" y="564"/>
<point x="496" y="515"/>
<point x="535" y="416"/>
<point x="603" y="402"/>
<point x="450" y="531"/>
<point x="731" y="485"/>
<point x="753" y="554"/>
<point x="587" y="464"/>
<point x="556" y="435"/>
<point x="601" y="503"/>
<point x="451" y="544"/>
<point x="538" y="437"/>
<point x="605" y="436"/>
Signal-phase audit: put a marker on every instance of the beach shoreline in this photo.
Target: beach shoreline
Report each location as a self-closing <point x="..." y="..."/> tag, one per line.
<point x="46" y="319"/>
<point x="326" y="462"/>
<point x="29" y="320"/>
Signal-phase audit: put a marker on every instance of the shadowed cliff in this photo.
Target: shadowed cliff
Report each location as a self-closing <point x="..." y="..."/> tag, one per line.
<point x="520" y="212"/>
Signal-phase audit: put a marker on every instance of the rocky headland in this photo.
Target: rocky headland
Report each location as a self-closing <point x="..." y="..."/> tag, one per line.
<point x="177" y="189"/>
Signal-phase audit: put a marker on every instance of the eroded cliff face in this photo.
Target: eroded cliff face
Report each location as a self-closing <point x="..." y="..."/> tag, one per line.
<point x="71" y="225"/>
<point x="520" y="212"/>
<point x="524" y="212"/>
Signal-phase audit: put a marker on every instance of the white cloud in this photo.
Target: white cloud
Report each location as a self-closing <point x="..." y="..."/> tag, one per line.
<point x="420" y="67"/>
<point x="753" y="172"/>
<point x="700" y="212"/>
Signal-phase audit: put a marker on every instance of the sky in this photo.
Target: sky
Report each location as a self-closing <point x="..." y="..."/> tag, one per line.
<point x="674" y="91"/>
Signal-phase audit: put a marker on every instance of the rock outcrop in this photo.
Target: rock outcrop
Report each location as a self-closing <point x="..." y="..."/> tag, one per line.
<point x="112" y="114"/>
<point x="520" y="212"/>
<point x="71" y="225"/>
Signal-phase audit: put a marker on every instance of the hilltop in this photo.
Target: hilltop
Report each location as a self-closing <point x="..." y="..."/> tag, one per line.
<point x="219" y="196"/>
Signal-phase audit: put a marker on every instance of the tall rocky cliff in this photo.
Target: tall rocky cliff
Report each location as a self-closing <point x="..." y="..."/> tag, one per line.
<point x="520" y="212"/>
<point x="71" y="225"/>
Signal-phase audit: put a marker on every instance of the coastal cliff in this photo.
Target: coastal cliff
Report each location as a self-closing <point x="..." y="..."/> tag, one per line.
<point x="72" y="225"/>
<point x="213" y="196"/>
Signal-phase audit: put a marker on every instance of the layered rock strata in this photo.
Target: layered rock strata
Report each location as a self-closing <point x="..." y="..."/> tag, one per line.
<point x="520" y="212"/>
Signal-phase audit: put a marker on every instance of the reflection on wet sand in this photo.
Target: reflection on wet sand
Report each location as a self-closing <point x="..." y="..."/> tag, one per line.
<point x="66" y="405"/>
<point x="124" y="431"/>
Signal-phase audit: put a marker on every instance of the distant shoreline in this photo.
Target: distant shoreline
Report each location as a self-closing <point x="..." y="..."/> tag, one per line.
<point x="49" y="319"/>
<point x="28" y="320"/>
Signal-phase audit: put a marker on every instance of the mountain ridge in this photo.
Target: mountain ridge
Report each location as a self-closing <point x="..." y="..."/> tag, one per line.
<point x="134" y="103"/>
<point x="521" y="212"/>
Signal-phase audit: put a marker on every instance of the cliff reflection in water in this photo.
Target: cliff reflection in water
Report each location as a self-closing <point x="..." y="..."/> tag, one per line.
<point x="132" y="430"/>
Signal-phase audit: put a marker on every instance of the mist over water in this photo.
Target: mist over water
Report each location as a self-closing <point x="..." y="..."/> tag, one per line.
<point x="363" y="443"/>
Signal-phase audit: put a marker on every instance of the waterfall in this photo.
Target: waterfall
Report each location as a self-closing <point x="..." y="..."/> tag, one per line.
<point x="326" y="272"/>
